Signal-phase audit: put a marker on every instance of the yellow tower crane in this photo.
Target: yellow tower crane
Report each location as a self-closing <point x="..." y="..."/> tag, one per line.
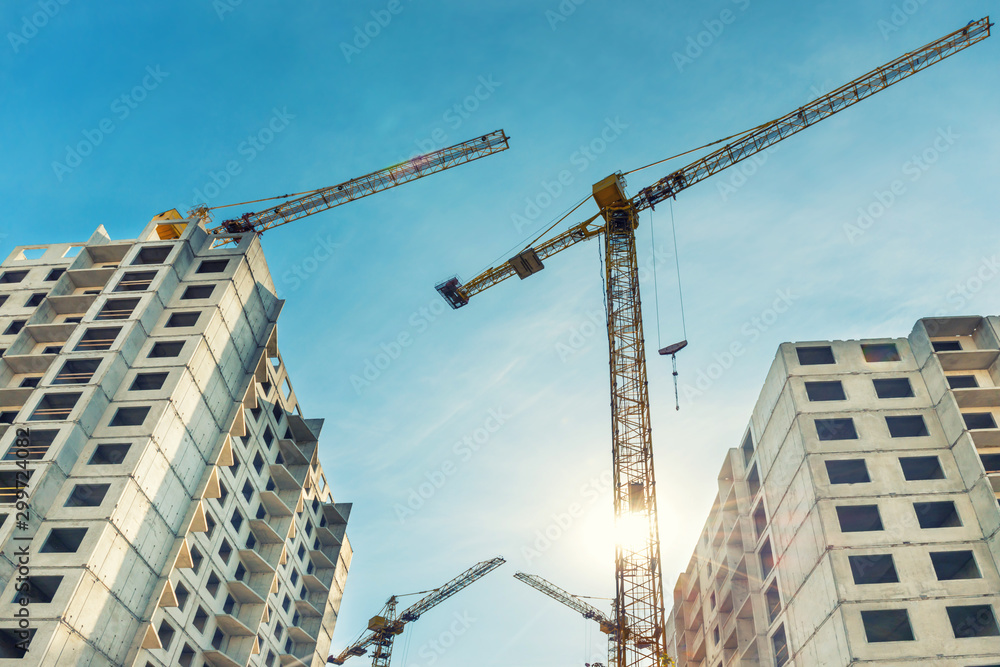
<point x="315" y="201"/>
<point x="639" y="611"/>
<point x="386" y="625"/>
<point x="588" y="610"/>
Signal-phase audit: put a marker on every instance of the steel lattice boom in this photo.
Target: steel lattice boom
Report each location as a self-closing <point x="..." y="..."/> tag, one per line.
<point x="327" y="198"/>
<point x="568" y="599"/>
<point x="771" y="133"/>
<point x="639" y="600"/>
<point x="587" y="610"/>
<point x="384" y="627"/>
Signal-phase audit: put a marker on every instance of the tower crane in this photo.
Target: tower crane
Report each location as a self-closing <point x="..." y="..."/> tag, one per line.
<point x="638" y="608"/>
<point x="316" y="201"/>
<point x="383" y="628"/>
<point x="573" y="602"/>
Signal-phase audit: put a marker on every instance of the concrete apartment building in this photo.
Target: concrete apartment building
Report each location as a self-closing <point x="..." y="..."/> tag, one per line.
<point x="857" y="523"/>
<point x="178" y="511"/>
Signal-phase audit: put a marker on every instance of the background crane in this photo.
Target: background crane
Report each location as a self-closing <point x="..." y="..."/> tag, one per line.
<point x="573" y="602"/>
<point x="384" y="627"/>
<point x="639" y="608"/>
<point x="316" y="201"/>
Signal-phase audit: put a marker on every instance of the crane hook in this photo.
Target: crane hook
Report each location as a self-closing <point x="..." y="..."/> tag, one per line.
<point x="672" y="350"/>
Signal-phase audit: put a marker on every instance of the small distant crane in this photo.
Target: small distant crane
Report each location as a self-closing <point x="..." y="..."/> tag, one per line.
<point x="588" y="610"/>
<point x="383" y="628"/>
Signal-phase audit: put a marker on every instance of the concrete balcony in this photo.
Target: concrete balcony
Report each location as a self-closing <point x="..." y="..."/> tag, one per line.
<point x="692" y="587"/>
<point x="50" y="333"/>
<point x="219" y="659"/>
<point x="70" y="304"/>
<point x="255" y="562"/>
<point x="307" y="610"/>
<point x="967" y="360"/>
<point x="232" y="626"/>
<point x="696" y="644"/>
<point x="29" y="363"/>
<point x="274" y="504"/>
<point x="986" y="438"/>
<point x="322" y="560"/>
<point x="14" y="398"/>
<point x="288" y="478"/>
<point x="90" y="278"/>
<point x="994" y="482"/>
<point x="314" y="583"/>
<point x="244" y="594"/>
<point x="692" y="613"/>
<point x="300" y="636"/>
<point x="264" y="533"/>
<point x="978" y="397"/>
<point x="750" y="655"/>
<point x="291" y="453"/>
<point x="300" y="658"/>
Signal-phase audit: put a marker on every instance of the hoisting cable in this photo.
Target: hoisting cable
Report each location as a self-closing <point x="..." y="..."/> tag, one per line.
<point x="506" y="254"/>
<point x="656" y="283"/>
<point x="672" y="350"/>
<point x="254" y="201"/>
<point x="677" y="263"/>
<point x="406" y="648"/>
<point x="694" y="150"/>
<point x="579" y="204"/>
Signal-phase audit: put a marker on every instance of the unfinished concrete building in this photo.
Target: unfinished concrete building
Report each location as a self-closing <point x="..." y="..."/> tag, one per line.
<point x="857" y="523"/>
<point x="178" y="511"/>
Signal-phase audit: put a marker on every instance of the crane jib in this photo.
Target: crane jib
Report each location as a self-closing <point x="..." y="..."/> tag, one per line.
<point x="766" y="135"/>
<point x="325" y="198"/>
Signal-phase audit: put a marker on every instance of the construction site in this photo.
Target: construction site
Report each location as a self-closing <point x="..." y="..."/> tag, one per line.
<point x="266" y="402"/>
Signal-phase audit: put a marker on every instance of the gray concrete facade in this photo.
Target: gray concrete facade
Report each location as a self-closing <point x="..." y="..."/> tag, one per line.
<point x="857" y="523"/>
<point x="179" y="514"/>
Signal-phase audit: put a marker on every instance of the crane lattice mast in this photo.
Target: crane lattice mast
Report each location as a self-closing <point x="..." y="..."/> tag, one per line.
<point x="384" y="627"/>
<point x="639" y="601"/>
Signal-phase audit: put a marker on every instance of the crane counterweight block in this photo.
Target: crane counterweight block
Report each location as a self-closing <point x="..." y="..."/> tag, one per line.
<point x="526" y="263"/>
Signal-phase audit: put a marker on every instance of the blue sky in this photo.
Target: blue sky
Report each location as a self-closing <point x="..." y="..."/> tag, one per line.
<point x="506" y="401"/>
